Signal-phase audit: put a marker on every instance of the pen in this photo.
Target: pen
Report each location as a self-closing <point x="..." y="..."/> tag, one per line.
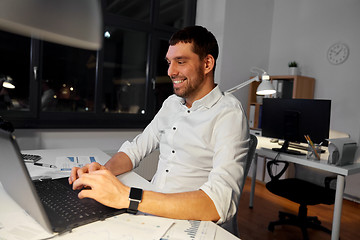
<point x="308" y="139"/>
<point x="44" y="165"/>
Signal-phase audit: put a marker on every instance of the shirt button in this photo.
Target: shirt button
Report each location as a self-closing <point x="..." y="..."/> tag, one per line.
<point x="188" y="111"/>
<point x="173" y="151"/>
<point x="166" y="170"/>
<point x="174" y="128"/>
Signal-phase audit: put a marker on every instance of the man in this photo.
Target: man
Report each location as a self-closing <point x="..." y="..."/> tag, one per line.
<point x="203" y="139"/>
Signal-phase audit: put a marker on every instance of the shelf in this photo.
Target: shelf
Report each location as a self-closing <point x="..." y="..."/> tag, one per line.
<point x="288" y="86"/>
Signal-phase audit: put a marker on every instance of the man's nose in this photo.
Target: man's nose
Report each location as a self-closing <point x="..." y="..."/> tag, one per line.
<point x="172" y="71"/>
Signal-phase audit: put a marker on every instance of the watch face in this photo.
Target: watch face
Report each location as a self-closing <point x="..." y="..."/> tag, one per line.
<point x="136" y="193"/>
<point x="338" y="53"/>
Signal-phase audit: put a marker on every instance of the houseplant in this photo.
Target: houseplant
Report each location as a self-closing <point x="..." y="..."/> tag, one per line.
<point x="293" y="68"/>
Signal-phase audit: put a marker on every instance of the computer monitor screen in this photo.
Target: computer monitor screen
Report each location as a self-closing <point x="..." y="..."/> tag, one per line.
<point x="292" y="119"/>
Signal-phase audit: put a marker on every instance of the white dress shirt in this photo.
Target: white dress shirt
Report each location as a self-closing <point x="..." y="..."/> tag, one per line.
<point x="202" y="147"/>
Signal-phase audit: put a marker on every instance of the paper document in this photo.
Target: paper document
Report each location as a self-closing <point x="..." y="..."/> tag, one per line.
<point x="191" y="230"/>
<point x="124" y="226"/>
<point x="66" y="163"/>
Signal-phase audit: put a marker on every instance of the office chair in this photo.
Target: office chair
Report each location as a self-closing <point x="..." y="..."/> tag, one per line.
<point x="232" y="225"/>
<point x="302" y="192"/>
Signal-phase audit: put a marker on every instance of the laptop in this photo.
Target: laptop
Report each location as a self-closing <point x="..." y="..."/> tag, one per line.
<point x="41" y="198"/>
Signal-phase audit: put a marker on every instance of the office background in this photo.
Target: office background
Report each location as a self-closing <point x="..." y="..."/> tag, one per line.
<point x="266" y="34"/>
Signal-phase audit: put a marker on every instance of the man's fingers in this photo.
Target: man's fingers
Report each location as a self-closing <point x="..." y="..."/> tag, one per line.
<point x="81" y="171"/>
<point x="73" y="175"/>
<point x="104" y="187"/>
<point x="77" y="172"/>
<point x="89" y="180"/>
<point x="85" y="193"/>
<point x="94" y="167"/>
<point x="85" y="180"/>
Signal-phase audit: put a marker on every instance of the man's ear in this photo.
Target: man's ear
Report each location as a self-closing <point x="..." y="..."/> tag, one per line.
<point x="209" y="63"/>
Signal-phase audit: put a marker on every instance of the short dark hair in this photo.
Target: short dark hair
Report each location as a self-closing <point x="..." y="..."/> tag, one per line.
<point x="204" y="42"/>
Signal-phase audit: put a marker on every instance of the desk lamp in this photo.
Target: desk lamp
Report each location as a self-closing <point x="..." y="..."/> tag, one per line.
<point x="7" y="82"/>
<point x="265" y="87"/>
<point x="75" y="23"/>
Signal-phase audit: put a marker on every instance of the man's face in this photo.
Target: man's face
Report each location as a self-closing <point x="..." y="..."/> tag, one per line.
<point x="186" y="70"/>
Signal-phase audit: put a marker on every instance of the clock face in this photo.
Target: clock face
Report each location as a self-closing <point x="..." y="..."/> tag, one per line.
<point x="338" y="53"/>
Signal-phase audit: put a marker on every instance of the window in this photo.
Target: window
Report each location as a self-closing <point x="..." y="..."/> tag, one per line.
<point x="68" y="79"/>
<point x="14" y="67"/>
<point x="172" y="13"/>
<point x="163" y="83"/>
<point x="136" y="9"/>
<point x="124" y="71"/>
<point x="121" y="85"/>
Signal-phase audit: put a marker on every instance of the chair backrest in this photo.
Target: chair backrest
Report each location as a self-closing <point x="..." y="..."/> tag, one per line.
<point x="276" y="176"/>
<point x="232" y="225"/>
<point x="251" y="152"/>
<point x="318" y="177"/>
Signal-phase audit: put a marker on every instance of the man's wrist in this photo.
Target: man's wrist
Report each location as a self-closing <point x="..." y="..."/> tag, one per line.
<point x="135" y="197"/>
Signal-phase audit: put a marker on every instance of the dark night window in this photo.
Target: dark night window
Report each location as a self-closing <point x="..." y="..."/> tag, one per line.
<point x="122" y="85"/>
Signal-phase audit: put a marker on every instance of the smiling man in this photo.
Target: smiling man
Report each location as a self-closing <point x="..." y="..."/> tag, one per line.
<point x="192" y="78"/>
<point x="202" y="136"/>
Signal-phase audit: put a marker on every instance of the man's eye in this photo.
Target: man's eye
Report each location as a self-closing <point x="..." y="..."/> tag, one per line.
<point x="181" y="62"/>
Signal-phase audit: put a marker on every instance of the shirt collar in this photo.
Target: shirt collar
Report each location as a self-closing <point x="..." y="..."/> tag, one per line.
<point x="208" y="100"/>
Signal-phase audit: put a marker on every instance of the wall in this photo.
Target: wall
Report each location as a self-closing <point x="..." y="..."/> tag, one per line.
<point x="211" y="14"/>
<point x="243" y="30"/>
<point x="269" y="34"/>
<point x="303" y="30"/>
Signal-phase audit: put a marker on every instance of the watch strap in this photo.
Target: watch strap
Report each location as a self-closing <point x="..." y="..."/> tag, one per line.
<point x="133" y="207"/>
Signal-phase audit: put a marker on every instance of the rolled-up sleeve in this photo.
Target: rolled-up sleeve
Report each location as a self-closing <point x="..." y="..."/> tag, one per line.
<point x="230" y="152"/>
<point x="141" y="145"/>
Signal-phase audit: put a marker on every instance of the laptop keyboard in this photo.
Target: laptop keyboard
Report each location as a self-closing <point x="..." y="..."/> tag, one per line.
<point x="65" y="202"/>
<point x="30" y="157"/>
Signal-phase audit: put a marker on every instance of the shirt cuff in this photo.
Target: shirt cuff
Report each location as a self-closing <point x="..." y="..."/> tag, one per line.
<point x="223" y="204"/>
<point x="125" y="149"/>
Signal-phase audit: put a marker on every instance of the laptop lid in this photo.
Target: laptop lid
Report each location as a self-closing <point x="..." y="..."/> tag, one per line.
<point x="17" y="182"/>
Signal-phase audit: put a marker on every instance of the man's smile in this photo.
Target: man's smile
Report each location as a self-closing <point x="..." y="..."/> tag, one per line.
<point x="178" y="80"/>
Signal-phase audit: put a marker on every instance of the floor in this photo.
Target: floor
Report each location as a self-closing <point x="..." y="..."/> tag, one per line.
<point x="253" y="223"/>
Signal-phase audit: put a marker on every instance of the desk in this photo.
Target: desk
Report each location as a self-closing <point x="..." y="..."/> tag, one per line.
<point x="264" y="149"/>
<point x="8" y="206"/>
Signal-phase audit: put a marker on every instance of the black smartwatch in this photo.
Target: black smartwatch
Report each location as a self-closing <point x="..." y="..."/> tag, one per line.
<point x="135" y="198"/>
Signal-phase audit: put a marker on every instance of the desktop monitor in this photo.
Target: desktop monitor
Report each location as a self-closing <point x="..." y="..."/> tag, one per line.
<point x="292" y="119"/>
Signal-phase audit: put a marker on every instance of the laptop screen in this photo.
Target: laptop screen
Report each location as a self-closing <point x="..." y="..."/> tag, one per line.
<point x="16" y="180"/>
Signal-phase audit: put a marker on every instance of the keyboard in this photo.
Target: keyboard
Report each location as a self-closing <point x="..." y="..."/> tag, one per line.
<point x="300" y="146"/>
<point x="30" y="157"/>
<point x="60" y="198"/>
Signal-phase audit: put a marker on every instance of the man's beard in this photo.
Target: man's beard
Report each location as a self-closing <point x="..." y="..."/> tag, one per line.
<point x="190" y="88"/>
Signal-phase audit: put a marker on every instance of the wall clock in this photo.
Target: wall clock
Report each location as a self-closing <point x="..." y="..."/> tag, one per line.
<point x="338" y="53"/>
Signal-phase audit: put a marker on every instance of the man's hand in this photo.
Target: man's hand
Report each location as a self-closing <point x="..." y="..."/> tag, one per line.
<point x="78" y="172"/>
<point x="99" y="184"/>
<point x="104" y="187"/>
